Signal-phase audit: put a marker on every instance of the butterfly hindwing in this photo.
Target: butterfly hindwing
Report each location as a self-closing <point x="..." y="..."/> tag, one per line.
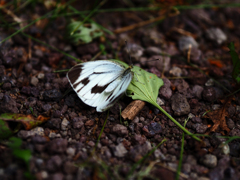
<point x="99" y="83"/>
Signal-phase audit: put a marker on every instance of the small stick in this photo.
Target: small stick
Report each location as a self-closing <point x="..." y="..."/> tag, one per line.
<point x="133" y="109"/>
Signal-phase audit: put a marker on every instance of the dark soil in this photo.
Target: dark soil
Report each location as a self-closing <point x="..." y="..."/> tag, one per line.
<point x="197" y="86"/>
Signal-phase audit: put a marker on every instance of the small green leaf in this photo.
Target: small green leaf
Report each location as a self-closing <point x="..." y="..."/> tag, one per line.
<point x="83" y="34"/>
<point x="144" y="86"/>
<point x="24" y="154"/>
<point x="5" y="131"/>
<point x="236" y="62"/>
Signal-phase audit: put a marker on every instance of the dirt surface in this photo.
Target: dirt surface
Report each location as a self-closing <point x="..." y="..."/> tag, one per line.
<point x="194" y="63"/>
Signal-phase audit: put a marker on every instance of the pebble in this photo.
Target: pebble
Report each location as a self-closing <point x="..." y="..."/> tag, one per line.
<point x="230" y="123"/>
<point x="201" y="128"/>
<point x="78" y="122"/>
<point x="52" y="94"/>
<point x="64" y="124"/>
<point x="7" y="86"/>
<point x="136" y="120"/>
<point x="28" y="67"/>
<point x="162" y="63"/>
<point x="8" y="105"/>
<point x="70" y="151"/>
<point x="41" y="76"/>
<point x="46" y="107"/>
<point x="209" y="82"/>
<point x="120" y="150"/>
<point x="216" y="35"/>
<point x="190" y="115"/>
<point x="53" y="123"/>
<point x="216" y="106"/>
<point x="185" y="41"/>
<point x="57" y="176"/>
<point x="153" y="51"/>
<point x="160" y="101"/>
<point x="209" y="94"/>
<point x="209" y="160"/>
<point x="180" y="105"/>
<point x="225" y="149"/>
<point x="69" y="167"/>
<point x="120" y="130"/>
<point x="197" y="91"/>
<point x="133" y="50"/>
<point x="166" y="91"/>
<point x="175" y="71"/>
<point x="34" y="81"/>
<point x="23" y="134"/>
<point x="57" y="146"/>
<point x="54" y="163"/>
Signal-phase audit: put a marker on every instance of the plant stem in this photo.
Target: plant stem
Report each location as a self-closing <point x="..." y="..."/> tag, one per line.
<point x="177" y="123"/>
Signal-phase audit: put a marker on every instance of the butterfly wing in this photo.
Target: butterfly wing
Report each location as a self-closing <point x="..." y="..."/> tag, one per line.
<point x="99" y="83"/>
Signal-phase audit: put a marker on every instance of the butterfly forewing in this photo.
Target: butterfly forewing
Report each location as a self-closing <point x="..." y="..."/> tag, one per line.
<point x="99" y="83"/>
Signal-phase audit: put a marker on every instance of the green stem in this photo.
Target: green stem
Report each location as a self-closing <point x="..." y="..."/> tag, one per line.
<point x="177" y="123"/>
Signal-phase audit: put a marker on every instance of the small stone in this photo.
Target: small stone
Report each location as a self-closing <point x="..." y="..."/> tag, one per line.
<point x="153" y="51"/>
<point x="41" y="76"/>
<point x="78" y="122"/>
<point x="35" y="131"/>
<point x="180" y="105"/>
<point x="54" y="163"/>
<point x="185" y="41"/>
<point x="64" y="124"/>
<point x="209" y="160"/>
<point x="162" y="63"/>
<point x="57" y="176"/>
<point x="201" y="128"/>
<point x="138" y="139"/>
<point x="225" y="149"/>
<point x="135" y="53"/>
<point x="209" y="94"/>
<point x="57" y="146"/>
<point x="54" y="123"/>
<point x="53" y="94"/>
<point x="210" y="82"/>
<point x="7" y="86"/>
<point x="186" y="168"/>
<point x="69" y="167"/>
<point x="70" y="151"/>
<point x="28" y="67"/>
<point x="52" y="135"/>
<point x="120" y="130"/>
<point x="136" y="120"/>
<point x="197" y="91"/>
<point x="34" y="81"/>
<point x="46" y="107"/>
<point x="175" y="71"/>
<point x="230" y="123"/>
<point x="190" y="115"/>
<point x="89" y="123"/>
<point x="91" y="143"/>
<point x="216" y="35"/>
<point x="120" y="150"/>
<point x="8" y="105"/>
<point x="160" y="102"/>
<point x="216" y="106"/>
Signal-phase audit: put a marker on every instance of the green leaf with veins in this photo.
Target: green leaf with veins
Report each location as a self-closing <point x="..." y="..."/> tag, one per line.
<point x="144" y="86"/>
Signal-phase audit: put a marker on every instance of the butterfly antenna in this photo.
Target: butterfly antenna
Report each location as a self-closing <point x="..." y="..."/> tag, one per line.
<point x="129" y="56"/>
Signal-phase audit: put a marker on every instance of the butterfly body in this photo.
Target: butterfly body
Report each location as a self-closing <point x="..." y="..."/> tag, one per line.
<point x="100" y="83"/>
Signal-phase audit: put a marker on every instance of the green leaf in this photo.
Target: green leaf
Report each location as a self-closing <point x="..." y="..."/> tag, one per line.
<point x="24" y="154"/>
<point x="144" y="86"/>
<point x="5" y="131"/>
<point x="83" y="34"/>
<point x="235" y="61"/>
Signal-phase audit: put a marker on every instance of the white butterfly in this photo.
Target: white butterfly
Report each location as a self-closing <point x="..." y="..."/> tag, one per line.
<point x="100" y="83"/>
